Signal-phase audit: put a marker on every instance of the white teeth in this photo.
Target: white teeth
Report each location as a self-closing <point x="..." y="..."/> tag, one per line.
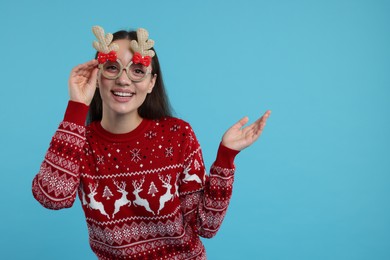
<point x="123" y="94"/>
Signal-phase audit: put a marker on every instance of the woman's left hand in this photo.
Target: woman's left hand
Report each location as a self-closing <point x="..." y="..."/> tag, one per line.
<point x="239" y="137"/>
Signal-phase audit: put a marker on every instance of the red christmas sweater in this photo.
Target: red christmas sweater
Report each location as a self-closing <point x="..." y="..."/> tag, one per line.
<point x="145" y="194"/>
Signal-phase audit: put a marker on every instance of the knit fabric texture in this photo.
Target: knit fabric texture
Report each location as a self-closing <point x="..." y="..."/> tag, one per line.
<point x="145" y="194"/>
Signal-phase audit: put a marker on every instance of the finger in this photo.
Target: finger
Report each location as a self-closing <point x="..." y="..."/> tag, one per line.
<point x="258" y="124"/>
<point x="259" y="128"/>
<point x="255" y="125"/>
<point x="267" y="114"/>
<point x="93" y="79"/>
<point x="264" y="117"/>
<point x="254" y="130"/>
<point x="79" y="70"/>
<point x="252" y="135"/>
<point x="90" y="63"/>
<point x="241" y="123"/>
<point x="86" y="66"/>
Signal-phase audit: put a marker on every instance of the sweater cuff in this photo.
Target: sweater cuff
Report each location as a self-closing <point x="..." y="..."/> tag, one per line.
<point x="225" y="157"/>
<point x="76" y="112"/>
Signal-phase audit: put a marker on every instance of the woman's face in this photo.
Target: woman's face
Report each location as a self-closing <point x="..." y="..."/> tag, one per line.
<point x="122" y="96"/>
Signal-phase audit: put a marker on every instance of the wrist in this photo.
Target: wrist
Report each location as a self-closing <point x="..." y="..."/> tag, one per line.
<point x="76" y="112"/>
<point x="226" y="156"/>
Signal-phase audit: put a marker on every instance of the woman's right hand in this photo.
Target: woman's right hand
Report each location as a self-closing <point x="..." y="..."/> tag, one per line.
<point x="82" y="82"/>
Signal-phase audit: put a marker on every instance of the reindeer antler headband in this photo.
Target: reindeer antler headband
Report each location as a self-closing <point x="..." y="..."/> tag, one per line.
<point x="142" y="54"/>
<point x="107" y="50"/>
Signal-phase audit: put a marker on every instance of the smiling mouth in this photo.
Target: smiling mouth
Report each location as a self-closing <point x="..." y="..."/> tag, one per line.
<point x="123" y="94"/>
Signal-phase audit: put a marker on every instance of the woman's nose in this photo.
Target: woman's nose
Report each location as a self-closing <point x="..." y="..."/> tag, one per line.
<point x="123" y="79"/>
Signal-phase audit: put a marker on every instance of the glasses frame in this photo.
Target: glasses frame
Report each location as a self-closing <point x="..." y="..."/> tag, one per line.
<point x="101" y="66"/>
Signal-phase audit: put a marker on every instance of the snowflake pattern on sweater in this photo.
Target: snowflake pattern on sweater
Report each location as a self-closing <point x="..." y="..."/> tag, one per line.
<point x="145" y="194"/>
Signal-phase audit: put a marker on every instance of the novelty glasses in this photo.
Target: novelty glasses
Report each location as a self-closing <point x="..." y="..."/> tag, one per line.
<point x="114" y="69"/>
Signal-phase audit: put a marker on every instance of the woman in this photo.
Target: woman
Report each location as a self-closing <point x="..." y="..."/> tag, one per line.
<point x="139" y="172"/>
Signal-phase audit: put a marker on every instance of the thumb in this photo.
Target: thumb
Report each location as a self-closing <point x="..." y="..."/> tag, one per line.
<point x="91" y="87"/>
<point x="93" y="79"/>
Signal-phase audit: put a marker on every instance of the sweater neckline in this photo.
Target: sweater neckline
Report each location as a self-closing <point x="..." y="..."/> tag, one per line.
<point x="121" y="137"/>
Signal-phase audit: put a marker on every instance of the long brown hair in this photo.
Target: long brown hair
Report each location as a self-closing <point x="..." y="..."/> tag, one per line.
<point x="156" y="104"/>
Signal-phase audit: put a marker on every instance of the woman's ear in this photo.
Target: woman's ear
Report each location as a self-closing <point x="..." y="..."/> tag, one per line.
<point x="152" y="83"/>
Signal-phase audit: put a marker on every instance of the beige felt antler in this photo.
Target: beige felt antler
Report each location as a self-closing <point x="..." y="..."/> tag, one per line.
<point x="103" y="44"/>
<point x="143" y="45"/>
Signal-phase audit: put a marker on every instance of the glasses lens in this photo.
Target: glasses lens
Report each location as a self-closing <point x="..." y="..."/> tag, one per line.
<point x="111" y="69"/>
<point x="137" y="72"/>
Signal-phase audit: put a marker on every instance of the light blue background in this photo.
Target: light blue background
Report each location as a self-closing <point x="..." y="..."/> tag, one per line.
<point x="315" y="185"/>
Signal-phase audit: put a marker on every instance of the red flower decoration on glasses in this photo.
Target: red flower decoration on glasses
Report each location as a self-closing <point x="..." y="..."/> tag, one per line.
<point x="138" y="59"/>
<point x="103" y="57"/>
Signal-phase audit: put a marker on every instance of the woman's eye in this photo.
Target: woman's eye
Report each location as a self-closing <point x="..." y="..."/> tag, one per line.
<point x="139" y="71"/>
<point x="111" y="68"/>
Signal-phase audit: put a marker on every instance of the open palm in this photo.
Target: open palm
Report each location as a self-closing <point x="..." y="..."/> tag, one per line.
<point x="239" y="137"/>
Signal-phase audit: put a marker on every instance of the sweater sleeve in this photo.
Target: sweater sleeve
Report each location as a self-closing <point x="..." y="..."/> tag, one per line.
<point x="56" y="183"/>
<point x="205" y="207"/>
